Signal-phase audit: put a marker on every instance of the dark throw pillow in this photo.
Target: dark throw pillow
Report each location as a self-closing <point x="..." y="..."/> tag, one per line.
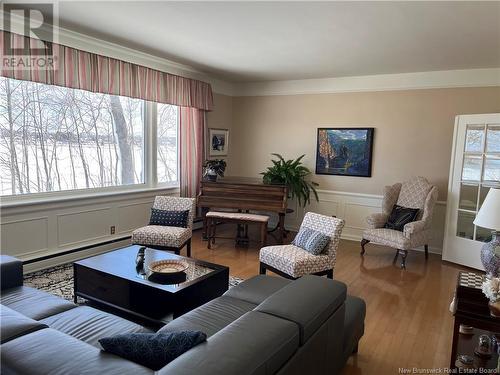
<point x="169" y="218"/>
<point x="153" y="350"/>
<point x="311" y="240"/>
<point x="400" y="216"/>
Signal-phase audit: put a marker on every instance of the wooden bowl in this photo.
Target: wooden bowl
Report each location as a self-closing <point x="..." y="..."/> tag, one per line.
<point x="168" y="267"/>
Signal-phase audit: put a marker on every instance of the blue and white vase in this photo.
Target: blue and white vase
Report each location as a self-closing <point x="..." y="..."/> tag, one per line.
<point x="490" y="255"/>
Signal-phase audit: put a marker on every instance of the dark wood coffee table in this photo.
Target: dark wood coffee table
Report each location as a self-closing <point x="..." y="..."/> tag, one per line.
<point x="113" y="281"/>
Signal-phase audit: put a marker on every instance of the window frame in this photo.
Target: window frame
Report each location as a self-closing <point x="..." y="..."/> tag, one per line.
<point x="150" y="182"/>
<point x="154" y="128"/>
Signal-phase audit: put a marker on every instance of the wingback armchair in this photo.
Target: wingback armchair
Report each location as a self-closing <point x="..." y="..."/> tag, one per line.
<point x="415" y="193"/>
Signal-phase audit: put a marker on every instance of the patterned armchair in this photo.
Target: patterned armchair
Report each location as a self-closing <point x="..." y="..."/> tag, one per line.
<point x="168" y="238"/>
<point x="415" y="193"/>
<point x="293" y="262"/>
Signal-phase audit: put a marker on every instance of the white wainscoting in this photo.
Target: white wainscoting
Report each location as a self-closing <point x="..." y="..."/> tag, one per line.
<point x="49" y="228"/>
<point x="38" y="230"/>
<point x="354" y="208"/>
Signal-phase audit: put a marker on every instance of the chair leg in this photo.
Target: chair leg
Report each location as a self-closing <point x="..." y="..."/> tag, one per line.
<point x="214" y="229"/>
<point x="426" y="247"/>
<point x="395" y="257"/>
<point x="329" y="274"/>
<point x="404" y="254"/>
<point x="355" y="350"/>
<point x="363" y="243"/>
<point x="262" y="269"/>
<point x="263" y="234"/>
<point x="209" y="233"/>
<point x="189" y="248"/>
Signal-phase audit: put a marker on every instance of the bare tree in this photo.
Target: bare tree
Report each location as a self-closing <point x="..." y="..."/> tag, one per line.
<point x="121" y="131"/>
<point x="13" y="153"/>
<point x="55" y="138"/>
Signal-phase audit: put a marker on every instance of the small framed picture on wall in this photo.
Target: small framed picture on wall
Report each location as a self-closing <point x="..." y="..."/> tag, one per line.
<point x="218" y="142"/>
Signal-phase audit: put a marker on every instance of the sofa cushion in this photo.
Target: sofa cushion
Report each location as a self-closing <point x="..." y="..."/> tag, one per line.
<point x="14" y="324"/>
<point x="89" y="325"/>
<point x="257" y="289"/>
<point x="211" y="317"/>
<point x="256" y="343"/>
<point x="34" y="303"/>
<point x="354" y="323"/>
<point x="308" y="301"/>
<point x="153" y="350"/>
<point x="48" y="351"/>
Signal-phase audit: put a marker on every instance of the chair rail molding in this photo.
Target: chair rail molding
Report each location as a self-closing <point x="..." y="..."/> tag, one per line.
<point x="43" y="229"/>
<point x="354" y="208"/>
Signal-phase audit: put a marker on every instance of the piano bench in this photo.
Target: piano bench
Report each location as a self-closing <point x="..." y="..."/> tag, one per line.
<point x="240" y="218"/>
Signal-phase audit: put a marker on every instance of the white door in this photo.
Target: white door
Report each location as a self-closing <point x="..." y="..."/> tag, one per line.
<point x="475" y="168"/>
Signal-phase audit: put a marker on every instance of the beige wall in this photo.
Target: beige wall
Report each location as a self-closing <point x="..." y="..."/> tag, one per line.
<point x="413" y="131"/>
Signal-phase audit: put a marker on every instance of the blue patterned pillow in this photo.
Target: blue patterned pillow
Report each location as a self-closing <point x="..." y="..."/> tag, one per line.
<point x="153" y="350"/>
<point x="311" y="240"/>
<point x="169" y="218"/>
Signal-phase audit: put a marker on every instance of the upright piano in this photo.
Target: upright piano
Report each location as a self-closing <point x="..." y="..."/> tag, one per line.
<point x="243" y="194"/>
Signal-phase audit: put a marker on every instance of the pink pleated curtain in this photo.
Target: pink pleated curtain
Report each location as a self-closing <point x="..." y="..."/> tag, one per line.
<point x="192" y="134"/>
<point x="92" y="72"/>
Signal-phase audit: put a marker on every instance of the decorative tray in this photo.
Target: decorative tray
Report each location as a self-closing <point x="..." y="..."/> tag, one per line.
<point x="168" y="267"/>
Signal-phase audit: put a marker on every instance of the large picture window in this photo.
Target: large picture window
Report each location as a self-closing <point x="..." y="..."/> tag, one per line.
<point x="55" y="138"/>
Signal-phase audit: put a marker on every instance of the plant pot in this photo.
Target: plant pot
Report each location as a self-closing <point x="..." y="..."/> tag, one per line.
<point x="494" y="309"/>
<point x="212" y="177"/>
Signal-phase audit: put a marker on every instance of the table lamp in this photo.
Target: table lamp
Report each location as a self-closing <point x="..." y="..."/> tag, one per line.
<point x="489" y="217"/>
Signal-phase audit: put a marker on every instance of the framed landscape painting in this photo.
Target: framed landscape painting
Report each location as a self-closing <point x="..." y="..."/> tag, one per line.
<point x="218" y="142"/>
<point x="344" y="151"/>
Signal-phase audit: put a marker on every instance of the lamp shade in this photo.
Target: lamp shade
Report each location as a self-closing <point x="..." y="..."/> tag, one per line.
<point x="489" y="214"/>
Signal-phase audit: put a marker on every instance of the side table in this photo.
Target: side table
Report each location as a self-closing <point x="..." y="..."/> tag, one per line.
<point x="472" y="310"/>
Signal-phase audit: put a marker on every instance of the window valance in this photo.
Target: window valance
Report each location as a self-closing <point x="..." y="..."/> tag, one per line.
<point x="79" y="69"/>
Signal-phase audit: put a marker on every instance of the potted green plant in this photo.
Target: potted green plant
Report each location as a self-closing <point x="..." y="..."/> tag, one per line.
<point x="213" y="168"/>
<point x="294" y="175"/>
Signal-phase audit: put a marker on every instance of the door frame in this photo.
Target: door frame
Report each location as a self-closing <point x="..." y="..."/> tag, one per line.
<point x="470" y="256"/>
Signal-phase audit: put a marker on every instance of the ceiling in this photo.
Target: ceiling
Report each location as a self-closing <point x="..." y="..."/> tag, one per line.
<point x="261" y="41"/>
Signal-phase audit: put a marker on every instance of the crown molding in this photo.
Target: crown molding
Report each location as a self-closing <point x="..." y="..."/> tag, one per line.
<point x="88" y="43"/>
<point x="381" y="82"/>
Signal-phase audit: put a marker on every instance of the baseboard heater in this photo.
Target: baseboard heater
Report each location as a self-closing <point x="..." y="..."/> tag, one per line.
<point x="34" y="260"/>
<point x="76" y="250"/>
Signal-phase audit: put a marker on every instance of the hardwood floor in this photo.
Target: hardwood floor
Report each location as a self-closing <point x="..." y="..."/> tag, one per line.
<point x="408" y="323"/>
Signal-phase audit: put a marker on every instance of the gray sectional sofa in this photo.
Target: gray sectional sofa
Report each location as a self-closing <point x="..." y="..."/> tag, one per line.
<point x="265" y="325"/>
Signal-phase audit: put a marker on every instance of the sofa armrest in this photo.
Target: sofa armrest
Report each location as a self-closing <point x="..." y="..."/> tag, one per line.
<point x="11" y="271"/>
<point x="413" y="228"/>
<point x="377" y="220"/>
